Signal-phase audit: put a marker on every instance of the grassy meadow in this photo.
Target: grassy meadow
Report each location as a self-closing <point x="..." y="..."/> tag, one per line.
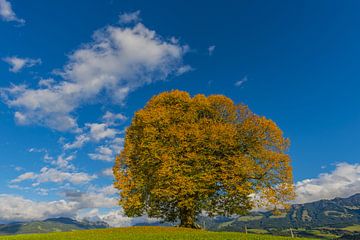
<point x="143" y="233"/>
<point x="354" y="228"/>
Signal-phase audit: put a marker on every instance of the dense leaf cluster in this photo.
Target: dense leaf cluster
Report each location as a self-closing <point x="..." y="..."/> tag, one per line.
<point x="183" y="156"/>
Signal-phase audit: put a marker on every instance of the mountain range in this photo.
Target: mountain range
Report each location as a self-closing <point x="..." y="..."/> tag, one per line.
<point x="49" y="225"/>
<point x="324" y="218"/>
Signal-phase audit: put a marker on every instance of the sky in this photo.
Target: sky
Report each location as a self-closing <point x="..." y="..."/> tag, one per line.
<point x="72" y="74"/>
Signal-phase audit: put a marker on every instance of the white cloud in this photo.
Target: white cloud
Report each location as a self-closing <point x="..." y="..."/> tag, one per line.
<point x="116" y="218"/>
<point x="47" y="83"/>
<point x="184" y="69"/>
<point x="112" y="119"/>
<point x="53" y="175"/>
<point x="20" y="118"/>
<point x="108" y="172"/>
<point x="57" y="176"/>
<point x="93" y="197"/>
<point x="99" y="131"/>
<point x="344" y="181"/>
<point x="18" y="168"/>
<point x="104" y="197"/>
<point x="17" y="208"/>
<point x="241" y="82"/>
<point x="132" y="17"/>
<point x="115" y="63"/>
<point x="116" y="144"/>
<point x="103" y="154"/>
<point x="37" y="150"/>
<point x="42" y="191"/>
<point x="24" y="177"/>
<point x="17" y="64"/>
<point x="211" y="49"/>
<point x="7" y="14"/>
<point x="63" y="162"/>
<point x="108" y="151"/>
<point x="80" y="141"/>
<point x="108" y="190"/>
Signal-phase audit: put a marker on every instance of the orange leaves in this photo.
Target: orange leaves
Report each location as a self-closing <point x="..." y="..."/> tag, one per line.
<point x="187" y="155"/>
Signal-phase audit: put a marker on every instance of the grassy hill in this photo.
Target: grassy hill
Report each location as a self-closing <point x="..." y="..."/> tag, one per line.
<point x="143" y="233"/>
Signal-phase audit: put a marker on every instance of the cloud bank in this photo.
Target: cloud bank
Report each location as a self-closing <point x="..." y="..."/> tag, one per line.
<point x="344" y="181"/>
<point x="17" y="208"/>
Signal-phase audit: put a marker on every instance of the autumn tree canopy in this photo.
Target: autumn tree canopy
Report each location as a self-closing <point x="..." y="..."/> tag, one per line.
<point x="183" y="156"/>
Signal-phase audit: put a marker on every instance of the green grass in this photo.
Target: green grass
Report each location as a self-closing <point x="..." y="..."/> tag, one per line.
<point x="258" y="231"/>
<point x="319" y="233"/>
<point x="249" y="218"/>
<point x="143" y="233"/>
<point x="355" y="228"/>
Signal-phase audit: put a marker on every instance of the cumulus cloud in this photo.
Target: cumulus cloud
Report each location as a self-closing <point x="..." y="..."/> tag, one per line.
<point x="99" y="131"/>
<point x="132" y="17"/>
<point x="7" y="14"/>
<point x="117" y="61"/>
<point x="111" y="143"/>
<point x="61" y="162"/>
<point x="54" y="175"/>
<point x="17" y="63"/>
<point x="344" y="181"/>
<point x="17" y="208"/>
<point x="107" y="172"/>
<point x="93" y="198"/>
<point x="103" y="154"/>
<point x="108" y="151"/>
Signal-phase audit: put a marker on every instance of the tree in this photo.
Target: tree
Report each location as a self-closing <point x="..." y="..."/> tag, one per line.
<point x="183" y="156"/>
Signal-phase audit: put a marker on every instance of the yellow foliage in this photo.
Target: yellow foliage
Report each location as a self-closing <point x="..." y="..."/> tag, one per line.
<point x="185" y="155"/>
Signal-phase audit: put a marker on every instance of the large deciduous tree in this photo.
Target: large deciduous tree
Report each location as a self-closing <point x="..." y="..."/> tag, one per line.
<point x="183" y="156"/>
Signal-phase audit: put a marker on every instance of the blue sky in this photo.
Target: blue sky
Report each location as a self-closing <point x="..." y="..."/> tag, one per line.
<point x="72" y="73"/>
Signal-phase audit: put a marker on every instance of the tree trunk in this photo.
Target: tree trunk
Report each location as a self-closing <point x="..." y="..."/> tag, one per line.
<point x="187" y="218"/>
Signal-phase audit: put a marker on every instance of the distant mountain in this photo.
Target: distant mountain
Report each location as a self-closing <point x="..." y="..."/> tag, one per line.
<point x="335" y="213"/>
<point x="49" y="225"/>
<point x="324" y="218"/>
